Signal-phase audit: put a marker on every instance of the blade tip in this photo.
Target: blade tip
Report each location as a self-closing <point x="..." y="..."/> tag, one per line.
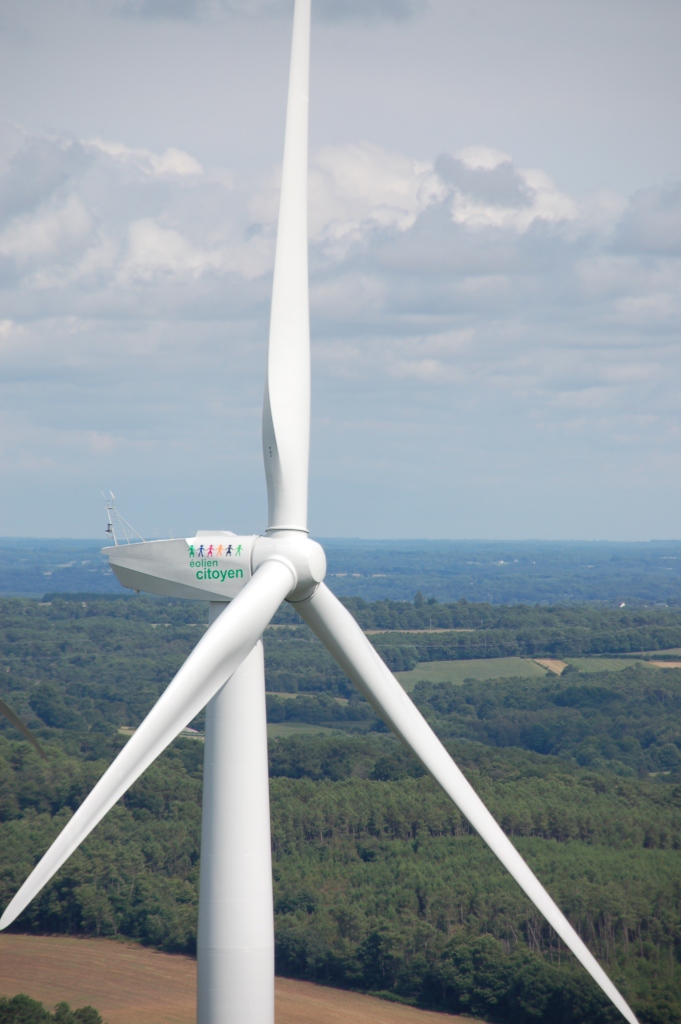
<point x="11" y="912"/>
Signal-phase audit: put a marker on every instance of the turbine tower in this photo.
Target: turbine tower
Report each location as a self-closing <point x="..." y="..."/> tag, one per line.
<point x="245" y="579"/>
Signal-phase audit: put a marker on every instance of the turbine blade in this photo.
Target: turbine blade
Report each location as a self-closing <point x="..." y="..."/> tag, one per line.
<point x="216" y="656"/>
<point x="6" y="710"/>
<point x="339" y="632"/>
<point x="286" y="406"/>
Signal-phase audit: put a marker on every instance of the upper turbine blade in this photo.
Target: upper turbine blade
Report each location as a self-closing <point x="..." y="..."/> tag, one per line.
<point x="216" y="656"/>
<point x="6" y="710"/>
<point x="286" y="406"/>
<point x="337" y="629"/>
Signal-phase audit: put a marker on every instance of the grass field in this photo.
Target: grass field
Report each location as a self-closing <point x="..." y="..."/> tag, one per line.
<point x="282" y="729"/>
<point x="304" y="693"/>
<point x="129" y="984"/>
<point x="475" y="668"/>
<point x="503" y="668"/>
<point x="601" y="664"/>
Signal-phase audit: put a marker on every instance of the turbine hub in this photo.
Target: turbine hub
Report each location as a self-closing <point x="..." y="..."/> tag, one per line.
<point x="304" y="557"/>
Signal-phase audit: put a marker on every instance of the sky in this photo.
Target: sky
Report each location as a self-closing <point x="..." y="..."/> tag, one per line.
<point x="495" y="265"/>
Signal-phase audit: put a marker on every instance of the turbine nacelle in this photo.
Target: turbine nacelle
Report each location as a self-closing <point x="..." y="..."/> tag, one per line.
<point x="216" y="565"/>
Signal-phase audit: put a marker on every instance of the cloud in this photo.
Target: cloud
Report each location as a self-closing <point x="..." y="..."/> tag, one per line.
<point x="652" y="222"/>
<point x="154" y="250"/>
<point x="36" y="170"/>
<point x="488" y="191"/>
<point x="370" y="10"/>
<point x="55" y="231"/>
<point x="469" y="231"/>
<point x="327" y="10"/>
<point x="359" y="188"/>
<point x="172" y="163"/>
<point x="463" y="302"/>
<point x="104" y="214"/>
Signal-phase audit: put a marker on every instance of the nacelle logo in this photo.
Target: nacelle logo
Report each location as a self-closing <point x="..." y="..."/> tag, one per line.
<point x="202" y="558"/>
<point x="199" y="551"/>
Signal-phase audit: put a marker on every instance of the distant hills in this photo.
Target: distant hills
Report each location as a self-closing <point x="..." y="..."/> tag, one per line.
<point x="500" y="572"/>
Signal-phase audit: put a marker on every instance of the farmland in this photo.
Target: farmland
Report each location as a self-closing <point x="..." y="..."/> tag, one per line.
<point x="506" y="668"/>
<point x="475" y="668"/>
<point x="380" y="885"/>
<point x="129" y="984"/>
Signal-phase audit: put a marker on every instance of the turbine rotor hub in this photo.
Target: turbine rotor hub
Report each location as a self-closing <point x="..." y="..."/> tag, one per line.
<point x="304" y="557"/>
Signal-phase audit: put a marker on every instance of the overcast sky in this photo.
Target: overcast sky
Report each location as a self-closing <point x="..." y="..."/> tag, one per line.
<point x="495" y="256"/>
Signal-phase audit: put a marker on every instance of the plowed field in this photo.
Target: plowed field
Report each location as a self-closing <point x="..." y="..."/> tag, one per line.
<point x="132" y="985"/>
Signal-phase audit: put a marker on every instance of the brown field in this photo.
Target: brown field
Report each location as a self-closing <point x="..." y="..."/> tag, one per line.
<point x="664" y="664"/>
<point x="552" y="664"/>
<point x="129" y="984"/>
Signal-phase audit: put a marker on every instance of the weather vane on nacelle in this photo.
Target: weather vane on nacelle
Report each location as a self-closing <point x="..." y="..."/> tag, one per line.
<point x="115" y="520"/>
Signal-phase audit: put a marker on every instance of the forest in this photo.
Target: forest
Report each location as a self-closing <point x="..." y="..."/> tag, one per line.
<point x="91" y="659"/>
<point x="23" y="1010"/>
<point x="380" y="884"/>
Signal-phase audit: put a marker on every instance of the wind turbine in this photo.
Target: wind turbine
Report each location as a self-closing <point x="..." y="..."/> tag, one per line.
<point x="245" y="579"/>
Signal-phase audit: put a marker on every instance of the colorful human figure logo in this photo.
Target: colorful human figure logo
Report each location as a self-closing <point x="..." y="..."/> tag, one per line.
<point x="215" y="550"/>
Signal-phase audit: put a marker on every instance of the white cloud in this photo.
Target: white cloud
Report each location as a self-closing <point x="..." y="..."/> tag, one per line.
<point x="50" y="233"/>
<point x="173" y="163"/>
<point x="154" y="250"/>
<point x="358" y="187"/>
<point x="462" y="300"/>
<point x="482" y="158"/>
<point x="488" y="191"/>
<point x="7" y="328"/>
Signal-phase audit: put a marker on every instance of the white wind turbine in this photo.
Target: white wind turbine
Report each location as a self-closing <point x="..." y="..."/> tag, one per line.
<point x="245" y="579"/>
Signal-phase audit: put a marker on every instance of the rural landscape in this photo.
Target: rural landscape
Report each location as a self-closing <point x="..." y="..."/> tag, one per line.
<point x="566" y="718"/>
<point x="420" y="263"/>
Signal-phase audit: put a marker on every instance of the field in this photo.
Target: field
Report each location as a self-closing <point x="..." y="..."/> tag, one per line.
<point x="129" y="984"/>
<point x="601" y="664"/>
<point x="474" y="668"/>
<point x="280" y="730"/>
<point x="554" y="665"/>
<point x="275" y="730"/>
<point x="506" y="668"/>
